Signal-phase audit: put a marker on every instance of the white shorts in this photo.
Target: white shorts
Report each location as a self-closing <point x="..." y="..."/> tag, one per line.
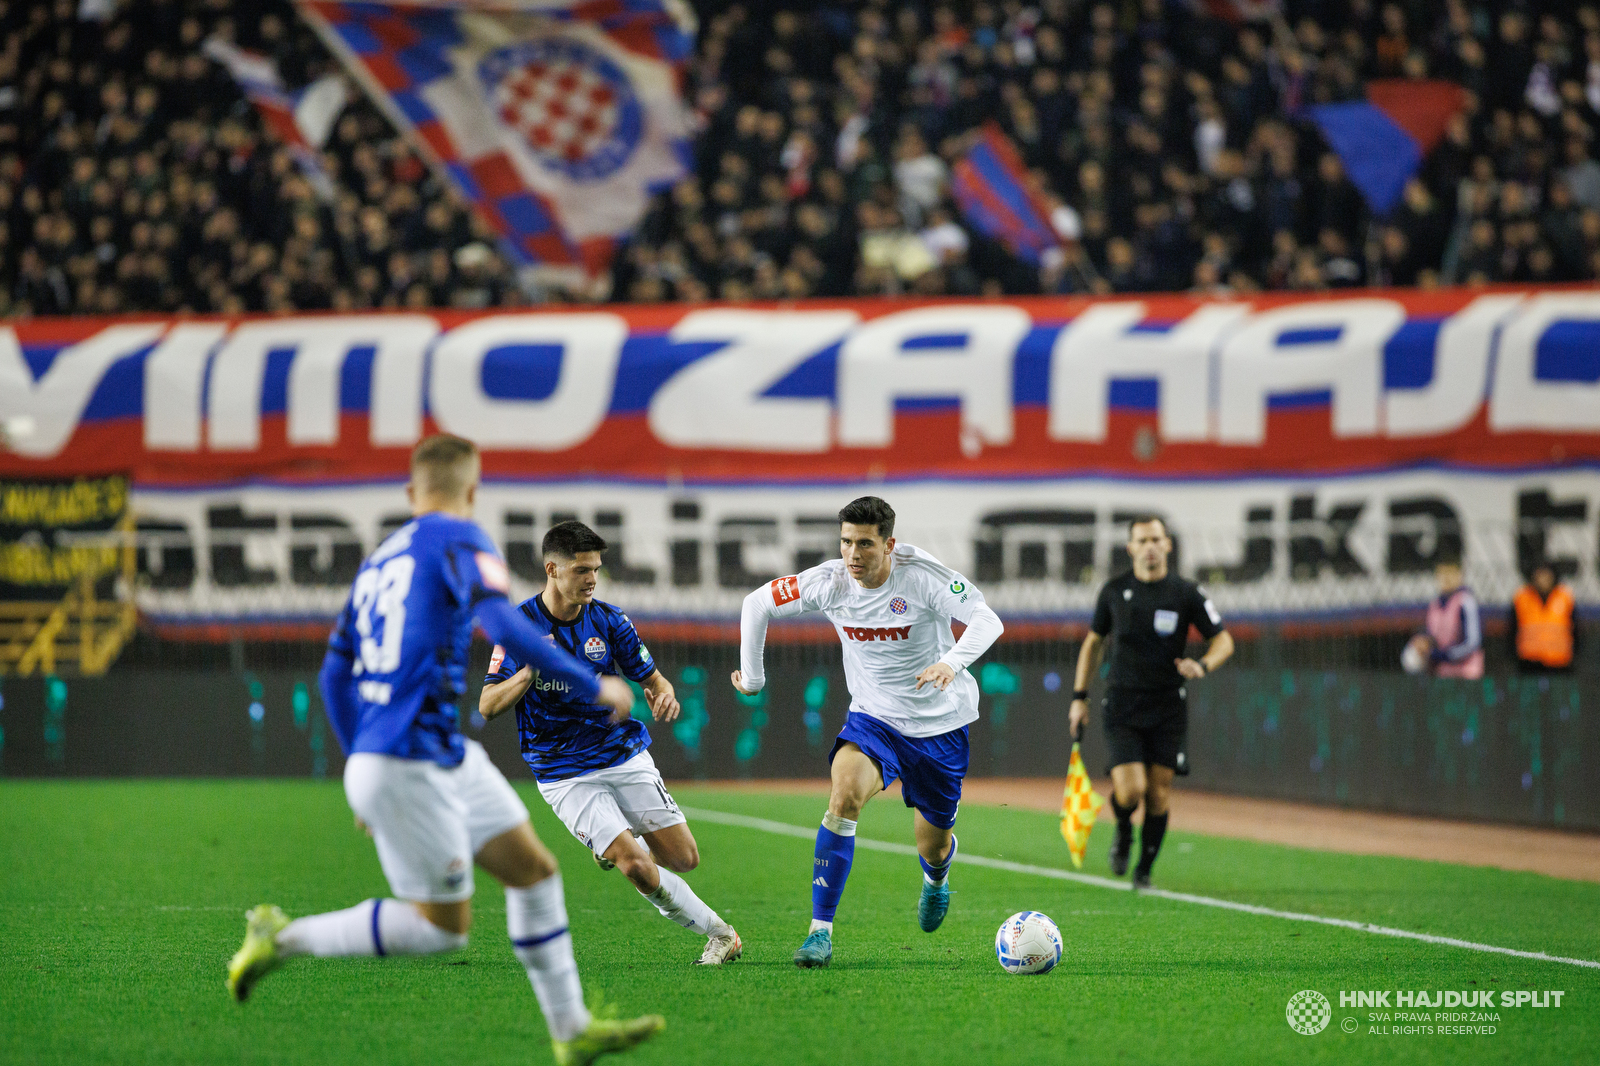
<point x="600" y="806"/>
<point x="429" y="821"/>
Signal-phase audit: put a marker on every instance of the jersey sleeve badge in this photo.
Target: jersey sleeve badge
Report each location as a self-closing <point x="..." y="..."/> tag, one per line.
<point x="785" y="590"/>
<point x="494" y="573"/>
<point x="498" y="657"/>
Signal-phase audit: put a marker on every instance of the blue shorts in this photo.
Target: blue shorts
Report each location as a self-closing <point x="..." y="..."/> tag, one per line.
<point x="930" y="769"/>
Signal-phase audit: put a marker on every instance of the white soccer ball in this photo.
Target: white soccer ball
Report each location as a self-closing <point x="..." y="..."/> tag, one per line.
<point x="1028" y="942"/>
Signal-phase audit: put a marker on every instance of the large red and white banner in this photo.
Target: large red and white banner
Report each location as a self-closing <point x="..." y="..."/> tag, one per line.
<point x="1373" y="431"/>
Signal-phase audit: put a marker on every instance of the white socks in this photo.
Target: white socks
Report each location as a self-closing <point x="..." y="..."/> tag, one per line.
<point x="676" y="901"/>
<point x="375" y="927"/>
<point x="844" y="827"/>
<point x="536" y="918"/>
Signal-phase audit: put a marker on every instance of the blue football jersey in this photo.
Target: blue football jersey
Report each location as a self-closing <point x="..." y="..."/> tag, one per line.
<point x="407" y="627"/>
<point x="565" y="737"/>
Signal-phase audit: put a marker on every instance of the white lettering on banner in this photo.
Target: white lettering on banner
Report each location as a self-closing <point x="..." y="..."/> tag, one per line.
<point x="174" y="374"/>
<point x="1460" y="372"/>
<point x="1520" y="400"/>
<point x="591" y="345"/>
<point x="875" y="369"/>
<point x="56" y="401"/>
<point x="320" y="347"/>
<point x="1260" y="545"/>
<point x="1256" y="366"/>
<point x="1101" y="346"/>
<point x="716" y="401"/>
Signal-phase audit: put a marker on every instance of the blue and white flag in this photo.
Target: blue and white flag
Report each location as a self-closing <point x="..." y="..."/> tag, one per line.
<point x="555" y="120"/>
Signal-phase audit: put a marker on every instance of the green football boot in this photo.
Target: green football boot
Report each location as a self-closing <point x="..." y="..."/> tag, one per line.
<point x="605" y="1036"/>
<point x="258" y="955"/>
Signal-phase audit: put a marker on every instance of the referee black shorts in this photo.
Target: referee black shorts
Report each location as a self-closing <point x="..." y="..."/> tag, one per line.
<point x="1147" y="725"/>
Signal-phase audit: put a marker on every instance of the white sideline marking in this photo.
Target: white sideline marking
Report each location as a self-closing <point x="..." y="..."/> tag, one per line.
<point x="785" y="829"/>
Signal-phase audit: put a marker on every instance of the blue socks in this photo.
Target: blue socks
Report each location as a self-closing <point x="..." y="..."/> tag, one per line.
<point x="836" y="848"/>
<point x="936" y="875"/>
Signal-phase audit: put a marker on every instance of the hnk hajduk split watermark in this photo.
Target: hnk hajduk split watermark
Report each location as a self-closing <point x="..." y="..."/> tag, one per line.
<point x="1419" y="1012"/>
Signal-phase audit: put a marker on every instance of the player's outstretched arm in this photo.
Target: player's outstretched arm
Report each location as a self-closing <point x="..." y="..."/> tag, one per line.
<point x="500" y="696"/>
<point x="508" y="628"/>
<point x="337" y="682"/>
<point x="661" y="697"/>
<point x="983" y="629"/>
<point x="760" y="607"/>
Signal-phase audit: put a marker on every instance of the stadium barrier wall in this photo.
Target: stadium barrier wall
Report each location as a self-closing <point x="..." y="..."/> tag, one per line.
<point x="1517" y="749"/>
<point x="1315" y="455"/>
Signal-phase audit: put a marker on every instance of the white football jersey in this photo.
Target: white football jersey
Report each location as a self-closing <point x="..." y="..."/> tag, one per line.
<point x="891" y="634"/>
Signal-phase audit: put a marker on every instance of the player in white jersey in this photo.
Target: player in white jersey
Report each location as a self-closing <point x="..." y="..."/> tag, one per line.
<point x="911" y="697"/>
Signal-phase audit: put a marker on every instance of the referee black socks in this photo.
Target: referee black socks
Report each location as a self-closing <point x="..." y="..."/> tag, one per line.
<point x="1155" y="827"/>
<point x="1124" y="816"/>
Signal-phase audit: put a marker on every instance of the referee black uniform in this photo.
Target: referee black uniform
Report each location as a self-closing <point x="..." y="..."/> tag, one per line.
<point x="1147" y="623"/>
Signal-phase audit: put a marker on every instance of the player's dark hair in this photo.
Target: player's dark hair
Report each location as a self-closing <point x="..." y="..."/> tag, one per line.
<point x="869" y="511"/>
<point x="1145" y="519"/>
<point x="441" y="464"/>
<point x="567" y="539"/>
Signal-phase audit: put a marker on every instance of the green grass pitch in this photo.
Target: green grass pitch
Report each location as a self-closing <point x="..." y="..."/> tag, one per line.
<point x="121" y="902"/>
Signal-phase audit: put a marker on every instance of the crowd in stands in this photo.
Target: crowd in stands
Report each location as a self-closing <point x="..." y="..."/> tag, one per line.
<point x="1169" y="146"/>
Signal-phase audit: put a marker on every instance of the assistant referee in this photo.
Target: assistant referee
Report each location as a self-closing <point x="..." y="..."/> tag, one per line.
<point x="1147" y="614"/>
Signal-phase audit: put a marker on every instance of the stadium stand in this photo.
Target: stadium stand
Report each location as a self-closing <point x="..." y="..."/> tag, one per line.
<point x="135" y="177"/>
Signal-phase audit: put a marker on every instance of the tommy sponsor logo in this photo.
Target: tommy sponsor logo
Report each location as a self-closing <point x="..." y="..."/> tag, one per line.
<point x="867" y="633"/>
<point x="594" y="648"/>
<point x="785" y="589"/>
<point x="897" y="605"/>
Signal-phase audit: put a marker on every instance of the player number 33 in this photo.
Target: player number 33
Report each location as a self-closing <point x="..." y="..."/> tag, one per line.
<point x="382" y="591"/>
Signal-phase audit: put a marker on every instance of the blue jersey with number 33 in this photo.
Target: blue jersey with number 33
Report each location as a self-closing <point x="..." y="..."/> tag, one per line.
<point x="408" y="628"/>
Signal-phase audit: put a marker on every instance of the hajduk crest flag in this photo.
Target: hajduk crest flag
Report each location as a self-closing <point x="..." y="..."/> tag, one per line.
<point x="1383" y="139"/>
<point x="555" y="119"/>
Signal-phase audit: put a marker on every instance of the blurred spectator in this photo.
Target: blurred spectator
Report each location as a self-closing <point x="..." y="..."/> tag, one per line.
<point x="1544" y="624"/>
<point x="1452" y="644"/>
<point x="1168" y="144"/>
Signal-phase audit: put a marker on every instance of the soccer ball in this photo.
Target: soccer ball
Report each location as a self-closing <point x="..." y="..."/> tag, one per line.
<point x="1028" y="942"/>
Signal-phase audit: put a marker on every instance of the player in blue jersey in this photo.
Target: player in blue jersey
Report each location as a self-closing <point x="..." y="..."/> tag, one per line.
<point x="430" y="798"/>
<point x="594" y="771"/>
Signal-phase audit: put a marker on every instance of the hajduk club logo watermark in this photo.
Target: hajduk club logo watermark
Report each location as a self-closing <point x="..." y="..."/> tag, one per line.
<point x="1309" y="1012"/>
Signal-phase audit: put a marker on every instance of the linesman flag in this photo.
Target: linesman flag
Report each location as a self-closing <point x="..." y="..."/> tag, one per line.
<point x="1080" y="806"/>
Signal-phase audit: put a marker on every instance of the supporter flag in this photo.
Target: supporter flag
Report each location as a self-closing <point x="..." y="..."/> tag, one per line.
<point x="555" y="119"/>
<point x="1080" y="806"/>
<point x="995" y="193"/>
<point x="1382" y="140"/>
<point x="302" y="120"/>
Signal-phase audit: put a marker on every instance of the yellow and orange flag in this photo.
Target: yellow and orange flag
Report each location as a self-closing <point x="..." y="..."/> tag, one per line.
<point x="1080" y="806"/>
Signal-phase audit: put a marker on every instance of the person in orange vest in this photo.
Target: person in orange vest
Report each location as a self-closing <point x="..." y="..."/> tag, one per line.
<point x="1544" y="624"/>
